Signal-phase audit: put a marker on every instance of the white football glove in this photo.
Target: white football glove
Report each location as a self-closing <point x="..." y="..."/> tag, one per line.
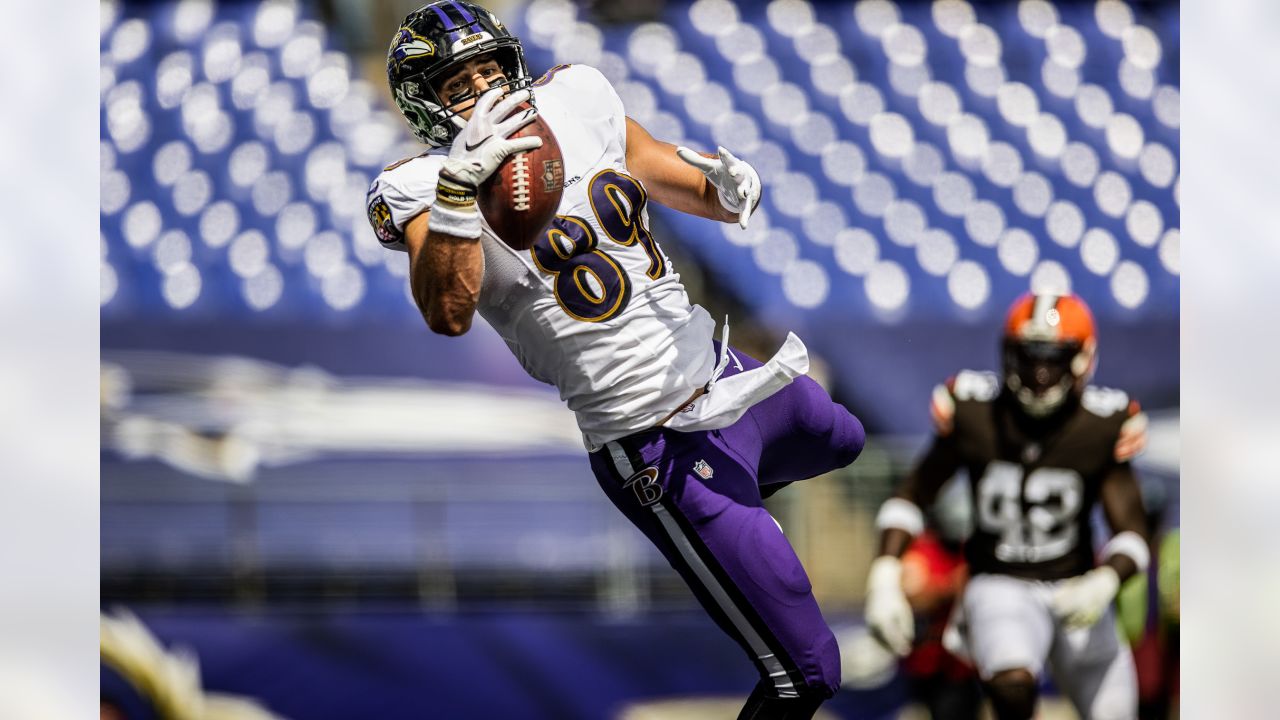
<point x="476" y="153"/>
<point x="484" y="142"/>
<point x="1082" y="600"/>
<point x="737" y="181"/>
<point x="888" y="614"/>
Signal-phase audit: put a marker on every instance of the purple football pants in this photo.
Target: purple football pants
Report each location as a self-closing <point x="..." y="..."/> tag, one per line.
<point x="697" y="496"/>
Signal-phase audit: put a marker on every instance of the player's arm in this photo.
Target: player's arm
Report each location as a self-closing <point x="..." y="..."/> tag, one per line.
<point x="1082" y="600"/>
<point x="446" y="261"/>
<point x="710" y="187"/>
<point x="1127" y="552"/>
<point x="445" y="273"/>
<point x="900" y="519"/>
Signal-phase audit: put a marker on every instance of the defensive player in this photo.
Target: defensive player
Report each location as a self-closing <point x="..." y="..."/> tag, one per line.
<point x="683" y="433"/>
<point x="1041" y="447"/>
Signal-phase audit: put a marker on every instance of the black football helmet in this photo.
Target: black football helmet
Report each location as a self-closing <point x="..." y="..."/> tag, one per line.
<point x="431" y="41"/>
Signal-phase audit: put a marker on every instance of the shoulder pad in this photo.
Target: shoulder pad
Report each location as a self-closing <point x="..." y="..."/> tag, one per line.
<point x="401" y="191"/>
<point x="584" y="90"/>
<point x="579" y="77"/>
<point x="1132" y="439"/>
<point x="550" y="74"/>
<point x="974" y="385"/>
<point x="1104" y="401"/>
<point x="942" y="408"/>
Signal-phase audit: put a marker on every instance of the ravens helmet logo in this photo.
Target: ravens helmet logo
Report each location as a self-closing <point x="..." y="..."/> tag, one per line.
<point x="409" y="45"/>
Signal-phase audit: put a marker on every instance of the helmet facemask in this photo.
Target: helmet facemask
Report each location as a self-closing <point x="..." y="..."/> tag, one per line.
<point x="431" y="117"/>
<point x="1042" y="374"/>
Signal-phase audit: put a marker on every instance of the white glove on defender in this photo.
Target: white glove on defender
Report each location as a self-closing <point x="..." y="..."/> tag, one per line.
<point x="737" y="181"/>
<point x="476" y="153"/>
<point x="888" y="614"/>
<point x="1082" y="600"/>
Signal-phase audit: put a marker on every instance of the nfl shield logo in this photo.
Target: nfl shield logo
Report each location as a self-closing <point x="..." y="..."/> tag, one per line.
<point x="703" y="469"/>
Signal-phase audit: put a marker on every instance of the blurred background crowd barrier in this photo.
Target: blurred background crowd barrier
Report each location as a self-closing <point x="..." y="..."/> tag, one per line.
<point x="346" y="516"/>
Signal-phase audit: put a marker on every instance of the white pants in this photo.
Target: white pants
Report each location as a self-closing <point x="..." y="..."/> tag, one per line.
<point x="1009" y="626"/>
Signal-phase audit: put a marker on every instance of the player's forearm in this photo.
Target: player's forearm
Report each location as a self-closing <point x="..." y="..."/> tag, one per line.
<point x="702" y="203"/>
<point x="669" y="180"/>
<point x="894" y="542"/>
<point x="899" y="520"/>
<point x="700" y="198"/>
<point x="681" y="187"/>
<point x="1127" y="552"/>
<point x="446" y="276"/>
<point x="1124" y="566"/>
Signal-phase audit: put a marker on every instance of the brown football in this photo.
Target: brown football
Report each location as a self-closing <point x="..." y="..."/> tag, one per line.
<point x="521" y="197"/>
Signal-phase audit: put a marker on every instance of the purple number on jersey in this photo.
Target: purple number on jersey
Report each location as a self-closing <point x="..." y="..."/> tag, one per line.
<point x="590" y="284"/>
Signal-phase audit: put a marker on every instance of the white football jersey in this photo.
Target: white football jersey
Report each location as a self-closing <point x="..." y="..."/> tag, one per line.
<point x="594" y="307"/>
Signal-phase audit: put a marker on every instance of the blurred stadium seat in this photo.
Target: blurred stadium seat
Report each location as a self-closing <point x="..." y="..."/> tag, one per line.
<point x="924" y="164"/>
<point x="921" y="160"/>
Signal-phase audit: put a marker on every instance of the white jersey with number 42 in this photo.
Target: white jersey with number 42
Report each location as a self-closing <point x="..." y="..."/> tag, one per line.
<point x="594" y="307"/>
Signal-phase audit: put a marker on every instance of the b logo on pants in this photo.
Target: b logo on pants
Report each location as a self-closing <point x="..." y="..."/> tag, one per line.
<point x="645" y="485"/>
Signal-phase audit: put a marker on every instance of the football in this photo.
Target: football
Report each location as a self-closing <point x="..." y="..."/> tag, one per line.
<point x="520" y="199"/>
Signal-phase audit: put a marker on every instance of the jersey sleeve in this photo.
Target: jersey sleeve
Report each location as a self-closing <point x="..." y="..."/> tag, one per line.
<point x="401" y="192"/>
<point x="587" y="91"/>
<point x="942" y="407"/>
<point x="1116" y="406"/>
<point x="1132" y="439"/>
<point x="955" y="402"/>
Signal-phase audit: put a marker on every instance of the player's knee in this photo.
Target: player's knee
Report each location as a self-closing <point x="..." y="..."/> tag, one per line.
<point x="844" y="432"/>
<point x="821" y="416"/>
<point x="1110" y="709"/>
<point x="1013" y="694"/>
<point x="848" y="436"/>
<point x="1115" y="701"/>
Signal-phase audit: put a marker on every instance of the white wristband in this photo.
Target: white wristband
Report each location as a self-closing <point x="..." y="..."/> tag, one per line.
<point x="451" y="220"/>
<point x="901" y="514"/>
<point x="1131" y="544"/>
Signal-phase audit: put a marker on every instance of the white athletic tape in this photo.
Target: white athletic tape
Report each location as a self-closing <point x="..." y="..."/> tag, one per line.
<point x="1129" y="543"/>
<point x="901" y="514"/>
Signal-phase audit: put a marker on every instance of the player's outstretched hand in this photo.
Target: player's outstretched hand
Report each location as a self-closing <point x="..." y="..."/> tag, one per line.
<point x="1081" y="600"/>
<point x="888" y="614"/>
<point x="485" y="141"/>
<point x="737" y="181"/>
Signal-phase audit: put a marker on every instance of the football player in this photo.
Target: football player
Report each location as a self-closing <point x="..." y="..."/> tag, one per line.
<point x="1041" y="446"/>
<point x="685" y="435"/>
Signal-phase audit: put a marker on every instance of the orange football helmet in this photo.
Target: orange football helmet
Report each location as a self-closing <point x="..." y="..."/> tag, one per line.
<point x="1049" y="350"/>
